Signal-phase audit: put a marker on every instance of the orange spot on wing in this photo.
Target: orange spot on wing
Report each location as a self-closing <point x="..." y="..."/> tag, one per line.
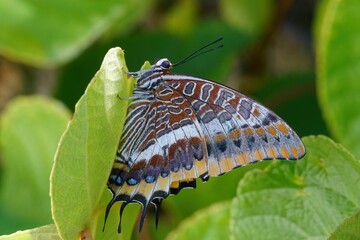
<point x="284" y="152"/>
<point x="282" y="128"/>
<point x="260" y="131"/>
<point x="219" y="137"/>
<point x="271" y="152"/>
<point x="258" y="154"/>
<point x="248" y="131"/>
<point x="226" y="164"/>
<point x="243" y="159"/>
<point x="272" y="130"/>
<point x="294" y="152"/>
<point x="175" y="184"/>
<point x="214" y="169"/>
<point x="200" y="167"/>
<point x="235" y="134"/>
<point x="256" y="112"/>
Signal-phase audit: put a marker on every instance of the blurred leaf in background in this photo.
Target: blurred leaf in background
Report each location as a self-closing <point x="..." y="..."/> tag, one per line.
<point x="30" y="130"/>
<point x="48" y="33"/>
<point x="210" y="223"/>
<point x="251" y="17"/>
<point x="338" y="69"/>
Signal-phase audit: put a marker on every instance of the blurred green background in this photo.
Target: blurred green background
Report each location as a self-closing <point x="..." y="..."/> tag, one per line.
<point x="50" y="50"/>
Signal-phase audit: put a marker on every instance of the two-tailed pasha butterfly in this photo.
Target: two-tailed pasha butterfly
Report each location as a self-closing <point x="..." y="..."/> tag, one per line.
<point x="179" y="128"/>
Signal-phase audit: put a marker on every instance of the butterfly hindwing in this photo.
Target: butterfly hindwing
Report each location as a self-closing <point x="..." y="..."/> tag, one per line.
<point x="158" y="155"/>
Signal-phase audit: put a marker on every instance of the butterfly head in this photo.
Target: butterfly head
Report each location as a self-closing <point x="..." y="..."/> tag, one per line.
<point x="151" y="77"/>
<point x="163" y="64"/>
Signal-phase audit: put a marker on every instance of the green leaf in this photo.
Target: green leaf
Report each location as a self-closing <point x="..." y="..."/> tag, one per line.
<point x="306" y="199"/>
<point x="47" y="232"/>
<point x="349" y="229"/>
<point x="250" y="17"/>
<point x="47" y="33"/>
<point x="209" y="223"/>
<point x="30" y="130"/>
<point x="87" y="150"/>
<point x="338" y="71"/>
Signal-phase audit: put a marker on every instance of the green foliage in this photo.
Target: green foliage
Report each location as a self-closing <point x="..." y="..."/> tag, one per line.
<point x="248" y="16"/>
<point x="47" y="232"/>
<point x="210" y="223"/>
<point x="316" y="197"/>
<point x="47" y="33"/>
<point x="338" y="61"/>
<point x="298" y="200"/>
<point x="29" y="133"/>
<point x="349" y="229"/>
<point x="87" y="149"/>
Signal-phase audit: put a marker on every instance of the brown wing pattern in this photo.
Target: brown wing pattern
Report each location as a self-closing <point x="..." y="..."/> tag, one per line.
<point x="192" y="128"/>
<point x="243" y="125"/>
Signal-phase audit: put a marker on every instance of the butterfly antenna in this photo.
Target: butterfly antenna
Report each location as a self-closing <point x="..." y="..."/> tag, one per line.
<point x="200" y="52"/>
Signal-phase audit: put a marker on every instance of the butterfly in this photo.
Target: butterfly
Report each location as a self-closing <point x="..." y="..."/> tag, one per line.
<point x="179" y="128"/>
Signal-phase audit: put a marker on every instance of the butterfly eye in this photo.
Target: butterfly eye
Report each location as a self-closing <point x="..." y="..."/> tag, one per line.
<point x="165" y="64"/>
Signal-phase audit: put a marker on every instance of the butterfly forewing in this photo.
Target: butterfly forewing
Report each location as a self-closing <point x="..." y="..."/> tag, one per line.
<point x="192" y="128"/>
<point x="235" y="125"/>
